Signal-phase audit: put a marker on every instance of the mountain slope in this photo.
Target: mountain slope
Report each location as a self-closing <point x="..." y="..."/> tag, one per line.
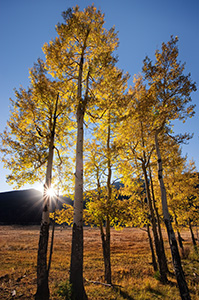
<point x="23" y="207"/>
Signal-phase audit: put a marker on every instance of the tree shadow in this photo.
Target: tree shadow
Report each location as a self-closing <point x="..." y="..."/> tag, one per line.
<point x="125" y="295"/>
<point x="154" y="291"/>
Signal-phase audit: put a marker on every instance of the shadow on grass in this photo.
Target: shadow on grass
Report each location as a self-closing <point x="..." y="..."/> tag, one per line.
<point x="122" y="293"/>
<point x="154" y="291"/>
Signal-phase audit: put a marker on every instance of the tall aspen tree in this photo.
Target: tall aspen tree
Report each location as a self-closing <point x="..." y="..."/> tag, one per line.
<point x="170" y="90"/>
<point x="80" y="54"/>
<point x="32" y="136"/>
<point x="137" y="147"/>
<point x="42" y="268"/>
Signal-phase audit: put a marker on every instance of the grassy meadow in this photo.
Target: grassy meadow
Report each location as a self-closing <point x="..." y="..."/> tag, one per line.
<point x="132" y="273"/>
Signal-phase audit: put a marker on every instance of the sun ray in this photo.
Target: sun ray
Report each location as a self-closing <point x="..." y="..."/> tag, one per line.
<point x="51" y="192"/>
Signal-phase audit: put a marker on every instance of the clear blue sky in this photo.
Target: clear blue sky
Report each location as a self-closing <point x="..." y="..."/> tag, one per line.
<point x="25" y="25"/>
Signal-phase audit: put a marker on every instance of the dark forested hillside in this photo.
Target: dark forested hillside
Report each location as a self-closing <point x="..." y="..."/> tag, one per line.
<point x="22" y="207"/>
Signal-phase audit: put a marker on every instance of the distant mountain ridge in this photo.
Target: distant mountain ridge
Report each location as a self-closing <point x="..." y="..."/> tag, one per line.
<point x="23" y="207"/>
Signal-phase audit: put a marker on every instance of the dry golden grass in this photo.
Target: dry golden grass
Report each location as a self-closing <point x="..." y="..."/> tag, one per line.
<point x="133" y="276"/>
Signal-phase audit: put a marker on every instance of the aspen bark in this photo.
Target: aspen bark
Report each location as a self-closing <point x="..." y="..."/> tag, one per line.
<point x="105" y="238"/>
<point x="52" y="235"/>
<point x="42" y="271"/>
<point x="154" y="263"/>
<point x="42" y="268"/>
<point x="76" y="265"/>
<point x="163" y="275"/>
<point x="105" y="233"/>
<point x="158" y="223"/>
<point x="106" y="253"/>
<point x="107" y="245"/>
<point x="183" y="288"/>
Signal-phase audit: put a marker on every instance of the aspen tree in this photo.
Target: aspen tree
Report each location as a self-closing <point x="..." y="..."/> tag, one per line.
<point x="171" y="91"/>
<point x="158" y="219"/>
<point x="33" y="134"/>
<point x="137" y="146"/>
<point x="173" y="165"/>
<point x="183" y="195"/>
<point x="112" y="90"/>
<point x="80" y="54"/>
<point x="42" y="269"/>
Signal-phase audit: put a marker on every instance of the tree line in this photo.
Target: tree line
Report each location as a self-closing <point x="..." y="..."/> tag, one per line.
<point x="79" y="87"/>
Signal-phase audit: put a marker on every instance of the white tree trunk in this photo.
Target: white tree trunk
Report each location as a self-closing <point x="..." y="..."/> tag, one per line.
<point x="161" y="181"/>
<point x="47" y="185"/>
<point x="183" y="288"/>
<point x="76" y="266"/>
<point x="78" y="201"/>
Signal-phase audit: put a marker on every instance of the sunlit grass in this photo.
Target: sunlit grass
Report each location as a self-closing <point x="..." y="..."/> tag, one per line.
<point x="132" y="272"/>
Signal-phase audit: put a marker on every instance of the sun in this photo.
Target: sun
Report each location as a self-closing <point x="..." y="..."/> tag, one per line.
<point x="51" y="192"/>
<point x="47" y="192"/>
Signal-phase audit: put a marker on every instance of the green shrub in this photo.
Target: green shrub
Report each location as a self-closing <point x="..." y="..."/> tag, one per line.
<point x="65" y="290"/>
<point x="157" y="275"/>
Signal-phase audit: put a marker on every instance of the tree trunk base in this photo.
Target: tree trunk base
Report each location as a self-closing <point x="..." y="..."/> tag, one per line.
<point x="183" y="288"/>
<point x="42" y="272"/>
<point x="76" y="268"/>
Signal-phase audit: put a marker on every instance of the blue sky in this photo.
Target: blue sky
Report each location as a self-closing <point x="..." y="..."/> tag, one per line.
<point x="25" y="25"/>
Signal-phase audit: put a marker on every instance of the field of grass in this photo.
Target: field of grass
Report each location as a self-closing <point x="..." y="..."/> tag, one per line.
<point x="132" y="273"/>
